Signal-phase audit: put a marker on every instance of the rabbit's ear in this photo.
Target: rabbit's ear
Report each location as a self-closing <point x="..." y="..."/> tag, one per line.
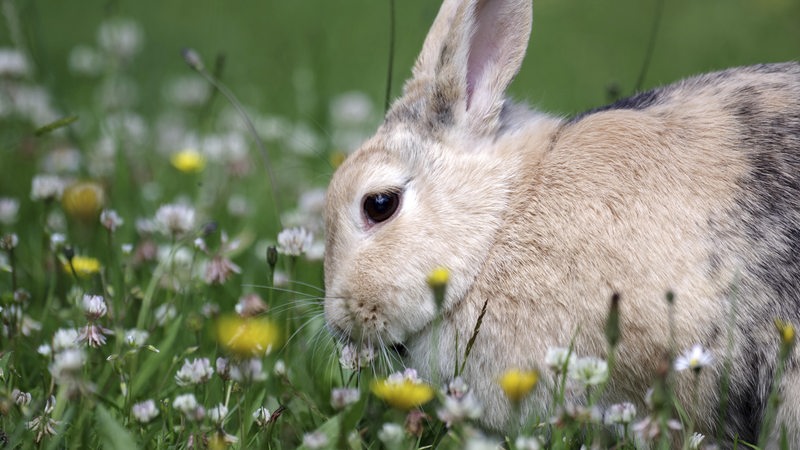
<point x="472" y="53"/>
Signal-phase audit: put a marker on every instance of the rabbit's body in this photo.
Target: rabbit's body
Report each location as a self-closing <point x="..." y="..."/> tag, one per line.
<point x="693" y="188"/>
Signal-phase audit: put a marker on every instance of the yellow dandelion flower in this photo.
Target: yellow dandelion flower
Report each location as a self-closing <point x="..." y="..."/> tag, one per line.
<point x="438" y="277"/>
<point x="247" y="337"/>
<point x="84" y="266"/>
<point x="188" y="161"/>
<point x="402" y="394"/>
<point x="337" y="158"/>
<point x="518" y="383"/>
<point x="83" y="200"/>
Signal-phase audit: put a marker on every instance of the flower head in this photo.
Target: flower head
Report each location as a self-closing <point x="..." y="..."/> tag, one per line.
<point x="459" y="404"/>
<point x="344" y="397"/>
<point x="516" y="383"/>
<point x="94" y="306"/>
<point x="175" y="219"/>
<point x="144" y="411"/>
<point x="786" y="331"/>
<point x="197" y="371"/>
<point x="262" y="416"/>
<point x="188" y="161"/>
<point x="559" y="359"/>
<point x="82" y="266"/>
<point x="620" y="413"/>
<point x="247" y="336"/>
<point x="9" y="207"/>
<point x="83" y="200"/>
<point x="110" y="219"/>
<point x="187" y="404"/>
<point x="135" y="337"/>
<point x="696" y="358"/>
<point x="217" y="414"/>
<point x="294" y="241"/>
<point x="354" y="358"/>
<point x="589" y="371"/>
<point x="403" y="390"/>
<point x="47" y="187"/>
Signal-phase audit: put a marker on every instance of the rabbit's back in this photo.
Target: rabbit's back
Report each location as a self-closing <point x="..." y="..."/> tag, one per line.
<point x="694" y="188"/>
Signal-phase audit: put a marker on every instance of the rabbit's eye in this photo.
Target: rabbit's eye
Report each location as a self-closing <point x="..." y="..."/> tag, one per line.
<point x="380" y="207"/>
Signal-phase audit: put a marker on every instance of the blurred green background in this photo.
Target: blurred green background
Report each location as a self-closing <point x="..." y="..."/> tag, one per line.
<point x="579" y="47"/>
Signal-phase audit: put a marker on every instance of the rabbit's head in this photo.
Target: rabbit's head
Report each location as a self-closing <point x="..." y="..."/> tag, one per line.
<point x="431" y="187"/>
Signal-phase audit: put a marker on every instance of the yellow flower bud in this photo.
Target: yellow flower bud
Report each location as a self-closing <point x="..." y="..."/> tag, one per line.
<point x="188" y="161"/>
<point x="438" y="277"/>
<point x="84" y="266"/>
<point x="83" y="200"/>
<point x="518" y="383"/>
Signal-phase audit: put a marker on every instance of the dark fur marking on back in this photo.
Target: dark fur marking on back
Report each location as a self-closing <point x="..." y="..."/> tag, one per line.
<point x="639" y="101"/>
<point x="768" y="208"/>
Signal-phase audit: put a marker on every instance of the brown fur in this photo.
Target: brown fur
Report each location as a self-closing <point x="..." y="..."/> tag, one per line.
<point x="693" y="188"/>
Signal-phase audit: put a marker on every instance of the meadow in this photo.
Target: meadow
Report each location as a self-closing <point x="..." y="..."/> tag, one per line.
<point x="161" y="234"/>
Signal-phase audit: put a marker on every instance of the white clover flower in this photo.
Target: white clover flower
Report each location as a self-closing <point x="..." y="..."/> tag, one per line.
<point x="217" y="414"/>
<point x="559" y="359"/>
<point x="620" y="414"/>
<point x="480" y="442"/>
<point x="94" y="306"/>
<point x="279" y="368"/>
<point x="126" y="249"/>
<point x="65" y="338"/>
<point x="175" y="219"/>
<point x="120" y="37"/>
<point x="85" y="60"/>
<point x="314" y="440"/>
<point x="110" y="219"/>
<point x="13" y="63"/>
<point x="391" y="433"/>
<point x="458" y="409"/>
<point x="61" y="160"/>
<point x="261" y="416"/>
<point x="47" y="187"/>
<point x="135" y="337"/>
<point x="189" y="90"/>
<point x="144" y="411"/>
<point x="195" y="372"/>
<point x="344" y="397"/>
<point x="21" y="398"/>
<point x="186" y="403"/>
<point x="459" y="403"/>
<point x="57" y="240"/>
<point x="164" y="314"/>
<point x="696" y="358"/>
<point x="354" y="358"/>
<point x="589" y="371"/>
<point x="67" y="364"/>
<point x="44" y="350"/>
<point x="9" y="208"/>
<point x="527" y="443"/>
<point x="294" y="241"/>
<point x="247" y="370"/>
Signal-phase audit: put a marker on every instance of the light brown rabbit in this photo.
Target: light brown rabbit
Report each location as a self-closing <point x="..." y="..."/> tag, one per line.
<point x="692" y="188"/>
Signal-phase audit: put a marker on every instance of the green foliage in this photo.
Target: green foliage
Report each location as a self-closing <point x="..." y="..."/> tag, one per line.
<point x="104" y="96"/>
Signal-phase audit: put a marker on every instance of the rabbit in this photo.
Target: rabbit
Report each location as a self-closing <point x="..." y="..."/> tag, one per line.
<point x="692" y="188"/>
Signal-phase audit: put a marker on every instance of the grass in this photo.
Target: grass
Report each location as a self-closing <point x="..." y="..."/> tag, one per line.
<point x="310" y="78"/>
